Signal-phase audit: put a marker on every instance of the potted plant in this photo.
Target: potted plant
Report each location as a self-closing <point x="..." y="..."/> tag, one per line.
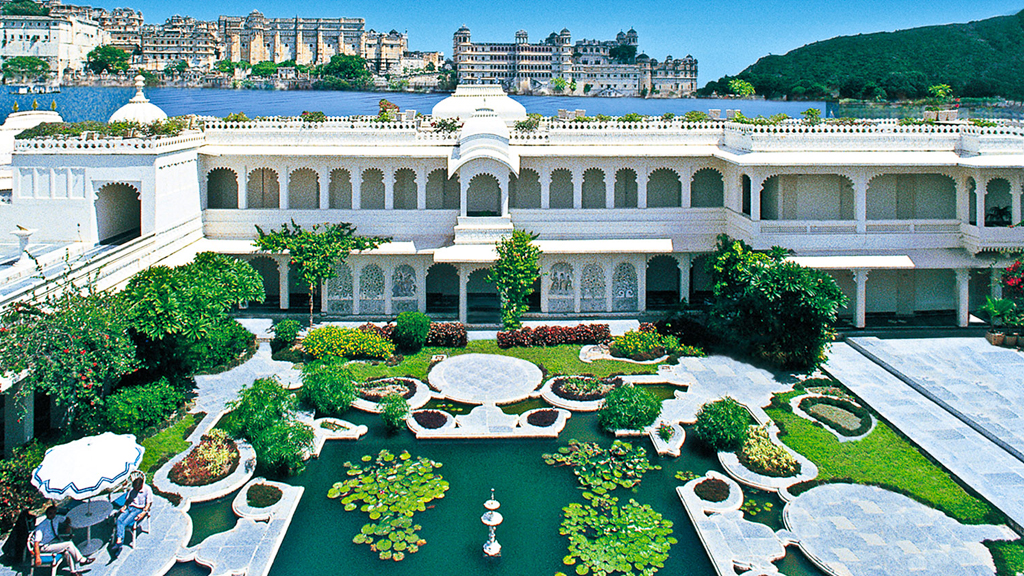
<point x="1013" y="320"/>
<point x="997" y="309"/>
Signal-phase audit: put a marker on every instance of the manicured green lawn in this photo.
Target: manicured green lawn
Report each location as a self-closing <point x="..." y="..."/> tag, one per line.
<point x="163" y="445"/>
<point x="882" y="458"/>
<point x="556" y="360"/>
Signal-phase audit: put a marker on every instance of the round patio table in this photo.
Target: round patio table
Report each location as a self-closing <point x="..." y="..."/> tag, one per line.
<point x="86" y="516"/>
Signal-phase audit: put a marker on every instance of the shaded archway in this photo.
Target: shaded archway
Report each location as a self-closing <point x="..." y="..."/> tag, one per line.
<point x="746" y="194"/>
<point x="340" y="190"/>
<point x="263" y="191"/>
<point x="972" y="201"/>
<point x="483" y="196"/>
<point x="371" y="193"/>
<point x="405" y="190"/>
<point x="271" y="276"/>
<point x="625" y="188"/>
<point x="707" y="189"/>
<point x="435" y="189"/>
<point x="118" y="213"/>
<point x="452" y="193"/>
<point x="526" y="192"/>
<point x="911" y="197"/>
<point x="560" y="192"/>
<point x="664" y="189"/>
<point x="443" y="290"/>
<point x="662" y="283"/>
<point x="482" y="302"/>
<point x="222" y="189"/>
<point x="303" y="190"/>
<point x="594" y="188"/>
<point x="997" y="203"/>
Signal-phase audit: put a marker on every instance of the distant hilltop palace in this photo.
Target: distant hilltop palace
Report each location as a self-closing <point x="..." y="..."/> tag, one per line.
<point x="588" y="67"/>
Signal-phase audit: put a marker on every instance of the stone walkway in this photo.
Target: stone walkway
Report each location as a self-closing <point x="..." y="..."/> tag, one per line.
<point x="864" y="531"/>
<point x="485" y="378"/>
<point x="993" y="472"/>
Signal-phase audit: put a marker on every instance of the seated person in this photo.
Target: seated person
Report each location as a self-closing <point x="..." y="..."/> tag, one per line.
<point x="46" y="538"/>
<point x="137" y="503"/>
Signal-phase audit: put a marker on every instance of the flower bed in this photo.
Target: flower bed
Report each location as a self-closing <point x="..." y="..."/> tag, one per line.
<point x="375" y="390"/>
<point x="761" y="456"/>
<point x="844" y="417"/>
<point x="430" y="419"/>
<point x="554" y="335"/>
<point x="213" y="459"/>
<point x="712" y="490"/>
<point x="584" y="388"/>
<point x="440" y="335"/>
<point x="542" y="418"/>
<point x="263" y="495"/>
<point x="333" y="341"/>
<point x="644" y="345"/>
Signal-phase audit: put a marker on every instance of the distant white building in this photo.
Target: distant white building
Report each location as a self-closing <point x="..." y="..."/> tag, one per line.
<point x="64" y="42"/>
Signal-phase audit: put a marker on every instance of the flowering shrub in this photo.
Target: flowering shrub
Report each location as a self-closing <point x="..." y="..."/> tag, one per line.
<point x="554" y="335"/>
<point x="445" y="125"/>
<point x="316" y="116"/>
<point x="447" y="335"/>
<point x="1013" y="281"/>
<point x="643" y="345"/>
<point x="761" y="455"/>
<point x="214" y="458"/>
<point x="16" y="489"/>
<point x="333" y="341"/>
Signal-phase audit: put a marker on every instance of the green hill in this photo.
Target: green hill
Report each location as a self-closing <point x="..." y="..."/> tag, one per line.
<point x="978" y="59"/>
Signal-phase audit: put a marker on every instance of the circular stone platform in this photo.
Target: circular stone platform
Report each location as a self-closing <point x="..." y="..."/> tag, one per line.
<point x="485" y="378"/>
<point x="864" y="530"/>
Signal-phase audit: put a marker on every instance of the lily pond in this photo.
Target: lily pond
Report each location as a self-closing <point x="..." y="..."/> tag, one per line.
<point x="324" y="537"/>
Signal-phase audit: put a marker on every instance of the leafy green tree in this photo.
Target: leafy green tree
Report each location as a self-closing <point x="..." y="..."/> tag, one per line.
<point x="25" y="8"/>
<point x="448" y="79"/>
<point x="73" y="347"/>
<point x="622" y="54"/>
<point x="264" y="69"/>
<point x="179" y="67"/>
<point x="941" y="91"/>
<point x="346" y="67"/>
<point x="741" y="87"/>
<point x="773" y="308"/>
<point x="558" y="84"/>
<point x="25" y="67"/>
<point x="514" y="274"/>
<point x="225" y="66"/>
<point x="812" y="116"/>
<point x="107" y="58"/>
<point x="264" y="413"/>
<point x="393" y="411"/>
<point x="315" y="251"/>
<point x="188" y="300"/>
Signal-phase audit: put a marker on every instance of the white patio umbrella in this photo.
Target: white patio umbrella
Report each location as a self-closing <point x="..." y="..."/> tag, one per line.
<point x="88" y="466"/>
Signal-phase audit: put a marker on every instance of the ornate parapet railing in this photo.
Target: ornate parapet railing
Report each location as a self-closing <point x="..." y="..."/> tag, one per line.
<point x="90" y="145"/>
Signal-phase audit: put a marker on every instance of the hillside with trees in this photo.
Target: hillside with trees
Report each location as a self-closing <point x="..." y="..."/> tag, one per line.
<point x="978" y="59"/>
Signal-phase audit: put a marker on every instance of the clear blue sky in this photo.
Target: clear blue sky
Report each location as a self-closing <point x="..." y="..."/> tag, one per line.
<point x="724" y="35"/>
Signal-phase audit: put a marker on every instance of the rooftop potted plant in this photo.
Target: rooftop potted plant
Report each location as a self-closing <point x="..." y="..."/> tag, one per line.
<point x="997" y="309"/>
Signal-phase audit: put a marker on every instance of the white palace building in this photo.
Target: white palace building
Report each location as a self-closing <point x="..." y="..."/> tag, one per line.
<point x="624" y="211"/>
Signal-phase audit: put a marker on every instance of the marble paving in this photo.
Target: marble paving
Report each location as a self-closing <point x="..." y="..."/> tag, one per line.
<point x="996" y="474"/>
<point x="859" y="530"/>
<point x="485" y="378"/>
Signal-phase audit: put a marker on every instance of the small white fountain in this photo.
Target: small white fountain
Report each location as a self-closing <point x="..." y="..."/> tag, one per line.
<point x="492" y="518"/>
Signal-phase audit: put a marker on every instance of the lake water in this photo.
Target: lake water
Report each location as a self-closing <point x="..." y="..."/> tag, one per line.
<point x="86" y="103"/>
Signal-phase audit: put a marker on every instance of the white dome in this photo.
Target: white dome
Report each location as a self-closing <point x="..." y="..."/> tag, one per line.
<point x="138" y="109"/>
<point x="470" y="98"/>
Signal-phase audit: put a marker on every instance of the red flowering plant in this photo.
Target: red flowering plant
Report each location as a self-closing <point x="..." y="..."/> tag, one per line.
<point x="1013" y="281"/>
<point x="73" y="347"/>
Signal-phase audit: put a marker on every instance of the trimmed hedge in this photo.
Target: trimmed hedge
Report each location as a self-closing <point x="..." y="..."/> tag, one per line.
<point x="447" y="335"/>
<point x="132" y="409"/>
<point x="225" y="343"/>
<point x="410" y="332"/>
<point x="337" y="342"/>
<point x="285" y="332"/>
<point x="722" y="424"/>
<point x="858" y="411"/>
<point x="629" y="408"/>
<point x="554" y="336"/>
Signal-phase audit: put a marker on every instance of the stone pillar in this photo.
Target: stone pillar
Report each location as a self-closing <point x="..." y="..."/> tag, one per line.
<point x="283" y="284"/>
<point x="282" y="189"/>
<point x="463" y="295"/>
<point x="963" y="296"/>
<point x="860" y="203"/>
<point x="979" y="206"/>
<point x="577" y="274"/>
<point x="421" y="287"/>
<point x="641" y="187"/>
<point x="19" y="419"/>
<point x="545" y="189"/>
<point x="860" y="300"/>
<point x="685" y="262"/>
<point x="243" y="189"/>
<point x="387" y="290"/>
<point x="421" y="189"/>
<point x="686" y="186"/>
<point x="963" y="200"/>
<point x="324" y="179"/>
<point x="577" y="189"/>
<point x="356" y="174"/>
<point x="996" y="282"/>
<point x="641" y="284"/>
<point x="503" y="188"/>
<point x="389" y="188"/>
<point x="463" y="195"/>
<point x="609" y="191"/>
<point x="756" y="183"/>
<point x="1015" y="217"/>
